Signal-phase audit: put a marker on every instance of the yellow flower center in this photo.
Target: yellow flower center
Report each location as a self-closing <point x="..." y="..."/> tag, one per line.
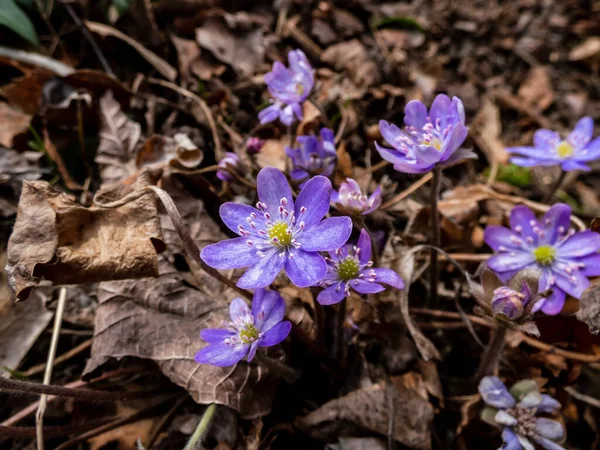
<point x="348" y="268"/>
<point x="564" y="149"/>
<point x="435" y="143"/>
<point x="279" y="231"/>
<point x="299" y="89"/>
<point x="249" y="334"/>
<point x="544" y="255"/>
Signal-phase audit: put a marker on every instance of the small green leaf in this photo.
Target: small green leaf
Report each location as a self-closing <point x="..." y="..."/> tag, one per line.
<point x="522" y="388"/>
<point x="398" y="23"/>
<point x="513" y="174"/>
<point x="13" y="17"/>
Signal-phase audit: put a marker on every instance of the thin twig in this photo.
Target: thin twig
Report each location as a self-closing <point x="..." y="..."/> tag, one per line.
<point x="592" y="401"/>
<point x="88" y="36"/>
<point x="39" y="417"/>
<point x="555" y="186"/>
<point x="406" y="192"/>
<point x="165" y="420"/>
<point x="62" y="358"/>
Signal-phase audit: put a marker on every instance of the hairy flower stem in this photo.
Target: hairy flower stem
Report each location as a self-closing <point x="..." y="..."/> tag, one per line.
<point x="492" y="354"/>
<point x="339" y="333"/>
<point x="202" y="427"/>
<point x="436" y="239"/>
<point x="555" y="187"/>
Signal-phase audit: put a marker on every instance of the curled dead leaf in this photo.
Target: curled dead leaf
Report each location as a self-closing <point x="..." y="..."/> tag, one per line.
<point x="57" y="239"/>
<point x="12" y="123"/>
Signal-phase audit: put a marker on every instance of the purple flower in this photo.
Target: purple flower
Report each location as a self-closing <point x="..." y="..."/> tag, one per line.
<point x="550" y="150"/>
<point x="279" y="233"/>
<point x="566" y="258"/>
<point x="254" y="145"/>
<point x="511" y="303"/>
<point x="351" y="199"/>
<point x="345" y="271"/>
<point x="516" y="413"/>
<point x="315" y="156"/>
<point x="430" y="138"/>
<point x="262" y="327"/>
<point x="289" y="88"/>
<point x="231" y="161"/>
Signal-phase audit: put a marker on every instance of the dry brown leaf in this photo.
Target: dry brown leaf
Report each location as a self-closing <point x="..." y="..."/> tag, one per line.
<point x="310" y="120"/>
<point x="12" y="123"/>
<point x="272" y="154"/>
<point x="368" y="408"/>
<point x="353" y="57"/>
<point x="536" y="90"/>
<point x="187" y="52"/>
<point x="589" y="311"/>
<point x="243" y="50"/>
<point x="119" y="136"/>
<point x="26" y="91"/>
<point x="57" y="239"/>
<point x="17" y="166"/>
<point x="162" y="150"/>
<point x="166" y="69"/>
<point x="588" y="48"/>
<point x="486" y="131"/>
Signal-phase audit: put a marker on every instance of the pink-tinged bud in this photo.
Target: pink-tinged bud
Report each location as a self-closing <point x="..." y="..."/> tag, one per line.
<point x="254" y="145"/>
<point x="508" y="302"/>
<point x="231" y="161"/>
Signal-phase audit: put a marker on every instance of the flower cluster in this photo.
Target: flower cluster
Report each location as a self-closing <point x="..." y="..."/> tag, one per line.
<point x="566" y="258"/>
<point x="549" y="149"/>
<point x="430" y="138"/>
<point x="263" y="326"/>
<point x="314" y="156"/>
<point x="517" y="411"/>
<point x="280" y="233"/>
<point x="350" y="199"/>
<point x="351" y="267"/>
<point x="289" y="88"/>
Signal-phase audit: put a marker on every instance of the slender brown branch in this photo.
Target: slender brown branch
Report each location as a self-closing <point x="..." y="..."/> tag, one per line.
<point x="555" y="187"/>
<point x="436" y="239"/>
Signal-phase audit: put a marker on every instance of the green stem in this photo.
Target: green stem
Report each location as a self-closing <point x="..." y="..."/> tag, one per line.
<point x="555" y="187"/>
<point x="436" y="239"/>
<point x="202" y="427"/>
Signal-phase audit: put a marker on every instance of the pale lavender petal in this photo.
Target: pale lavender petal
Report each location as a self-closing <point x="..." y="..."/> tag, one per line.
<point x="366" y="287"/>
<point x="276" y="334"/>
<point x="407" y="167"/>
<point x="332" y="295"/>
<point x="238" y="309"/>
<point x="533" y="152"/>
<point x="590" y="152"/>
<point x="252" y="351"/>
<point x="287" y="115"/>
<point x="389" y="155"/>
<point x="554" y="304"/>
<point x="269" y="114"/>
<point x="364" y="246"/>
<point x="582" y="133"/>
<point x="313" y="201"/>
<point x="511" y="441"/>
<point x="441" y="111"/>
<point x="580" y="244"/>
<point x="501" y="239"/>
<point x="229" y="254"/>
<point x="272" y="186"/>
<point x="375" y="200"/>
<point x="495" y="394"/>
<point x="548" y="444"/>
<point x="262" y="274"/>
<point x="297" y="108"/>
<point x="504" y="262"/>
<point x="556" y="219"/>
<point x="522" y="221"/>
<point x="531" y="162"/>
<point x="459" y="155"/>
<point x="573" y="284"/>
<point x="221" y="355"/>
<point x="548" y="404"/>
<point x="428" y="155"/>
<point x="305" y="268"/>
<point x="328" y="235"/>
<point x="591" y="265"/>
<point x="235" y="214"/>
<point x="546" y="139"/>
<point x="549" y="428"/>
<point x="272" y="305"/>
<point x="504" y="418"/>
<point x="415" y="114"/>
<point x="392" y="134"/>
<point x="456" y="139"/>
<point x="215" y="335"/>
<point x="571" y="164"/>
<point x="388" y="276"/>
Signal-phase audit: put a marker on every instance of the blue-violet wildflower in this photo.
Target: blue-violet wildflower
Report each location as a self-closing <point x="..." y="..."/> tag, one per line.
<point x="565" y="257"/>
<point x="314" y="156"/>
<point x="510" y="303"/>
<point x="279" y="233"/>
<point x="350" y="199"/>
<point x="289" y="88"/>
<point x="263" y="326"/>
<point x="230" y="161"/>
<point x="350" y="267"/>
<point x="549" y="149"/>
<point x="429" y="139"/>
<point x="516" y="413"/>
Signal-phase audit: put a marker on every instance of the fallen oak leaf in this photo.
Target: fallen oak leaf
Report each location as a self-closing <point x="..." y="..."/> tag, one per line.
<point x="57" y="239"/>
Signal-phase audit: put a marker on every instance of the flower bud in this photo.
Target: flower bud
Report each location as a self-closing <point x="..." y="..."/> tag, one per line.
<point x="254" y="145"/>
<point x="508" y="302"/>
<point x="230" y="161"/>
